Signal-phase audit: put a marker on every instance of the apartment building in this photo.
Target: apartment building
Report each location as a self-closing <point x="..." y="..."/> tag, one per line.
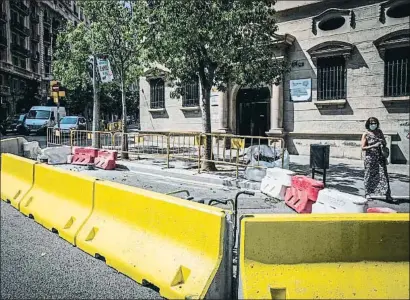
<point x="348" y="59"/>
<point x="28" y="31"/>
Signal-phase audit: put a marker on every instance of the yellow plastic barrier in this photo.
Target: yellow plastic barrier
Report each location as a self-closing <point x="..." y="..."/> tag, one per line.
<point x="176" y="245"/>
<point x="60" y="200"/>
<point x="350" y="256"/>
<point x="17" y="176"/>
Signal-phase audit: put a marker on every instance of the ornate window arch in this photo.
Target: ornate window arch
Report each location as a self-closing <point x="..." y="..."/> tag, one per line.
<point x="394" y="49"/>
<point x="394" y="9"/>
<point x="330" y="59"/>
<point x="333" y="18"/>
<point x="397" y="39"/>
<point x="329" y="49"/>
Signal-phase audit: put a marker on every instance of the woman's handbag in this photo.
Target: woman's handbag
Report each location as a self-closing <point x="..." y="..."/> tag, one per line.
<point x="385" y="151"/>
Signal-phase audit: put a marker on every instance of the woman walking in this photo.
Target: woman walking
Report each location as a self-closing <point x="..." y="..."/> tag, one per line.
<point x="376" y="179"/>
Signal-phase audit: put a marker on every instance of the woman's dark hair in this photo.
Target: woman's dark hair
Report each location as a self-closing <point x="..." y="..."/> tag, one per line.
<point x="367" y="125"/>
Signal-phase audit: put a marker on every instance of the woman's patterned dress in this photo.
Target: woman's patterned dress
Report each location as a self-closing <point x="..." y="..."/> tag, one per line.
<point x="376" y="178"/>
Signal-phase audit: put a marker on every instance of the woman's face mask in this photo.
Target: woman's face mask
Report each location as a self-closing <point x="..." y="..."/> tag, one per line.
<point x="373" y="126"/>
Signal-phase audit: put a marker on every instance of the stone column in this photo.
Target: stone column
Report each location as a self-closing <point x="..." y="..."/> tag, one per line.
<point x="223" y="112"/>
<point x="276" y="103"/>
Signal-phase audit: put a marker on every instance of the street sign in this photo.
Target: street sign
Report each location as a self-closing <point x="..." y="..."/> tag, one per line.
<point x="104" y="68"/>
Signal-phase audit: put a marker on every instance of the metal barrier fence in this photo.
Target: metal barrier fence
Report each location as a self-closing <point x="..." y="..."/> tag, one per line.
<point x="227" y="149"/>
<point x="80" y="138"/>
<point x="57" y="137"/>
<point x="239" y="151"/>
<point x="141" y="145"/>
<point x="84" y="138"/>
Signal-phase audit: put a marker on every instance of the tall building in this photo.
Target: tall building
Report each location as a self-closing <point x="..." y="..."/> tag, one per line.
<point x="349" y="60"/>
<point x="28" y="31"/>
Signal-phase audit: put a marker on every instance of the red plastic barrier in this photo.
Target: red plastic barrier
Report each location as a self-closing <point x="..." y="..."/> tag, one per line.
<point x="84" y="155"/>
<point x="106" y="159"/>
<point x="303" y="193"/>
<point x="384" y="210"/>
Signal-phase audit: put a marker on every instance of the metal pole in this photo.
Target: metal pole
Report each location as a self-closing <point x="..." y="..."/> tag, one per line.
<point x="58" y="111"/>
<point x="96" y="106"/>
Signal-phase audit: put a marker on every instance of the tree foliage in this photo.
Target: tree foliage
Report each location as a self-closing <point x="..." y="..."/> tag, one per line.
<point x="113" y="32"/>
<point x="71" y="56"/>
<point x="219" y="41"/>
<point x="118" y="33"/>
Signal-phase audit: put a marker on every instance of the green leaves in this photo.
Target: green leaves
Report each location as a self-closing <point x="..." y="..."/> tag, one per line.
<point x="219" y="40"/>
<point x="70" y="57"/>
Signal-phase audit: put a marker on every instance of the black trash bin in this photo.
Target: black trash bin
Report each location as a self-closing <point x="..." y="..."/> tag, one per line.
<point x="319" y="156"/>
<point x="319" y="159"/>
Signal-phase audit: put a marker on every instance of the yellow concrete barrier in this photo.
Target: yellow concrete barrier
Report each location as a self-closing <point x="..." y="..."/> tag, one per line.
<point x="60" y="200"/>
<point x="349" y="256"/>
<point x="17" y="177"/>
<point x="178" y="246"/>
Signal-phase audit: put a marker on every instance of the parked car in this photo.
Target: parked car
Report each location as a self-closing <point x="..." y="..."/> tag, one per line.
<point x="41" y="117"/>
<point x="71" y="123"/>
<point x="15" y="124"/>
<point x="2" y="130"/>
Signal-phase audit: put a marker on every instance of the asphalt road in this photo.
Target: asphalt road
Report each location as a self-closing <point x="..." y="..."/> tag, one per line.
<point x="37" y="264"/>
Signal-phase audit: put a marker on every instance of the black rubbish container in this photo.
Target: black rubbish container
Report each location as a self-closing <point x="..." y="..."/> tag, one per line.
<point x="319" y="156"/>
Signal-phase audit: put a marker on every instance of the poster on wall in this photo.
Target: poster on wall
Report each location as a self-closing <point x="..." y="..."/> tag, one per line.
<point x="300" y="90"/>
<point x="214" y="97"/>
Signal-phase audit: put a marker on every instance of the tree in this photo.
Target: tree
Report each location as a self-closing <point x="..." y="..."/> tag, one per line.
<point x="70" y="66"/>
<point x="71" y="56"/>
<point x="219" y="41"/>
<point x="118" y="33"/>
<point x="73" y="68"/>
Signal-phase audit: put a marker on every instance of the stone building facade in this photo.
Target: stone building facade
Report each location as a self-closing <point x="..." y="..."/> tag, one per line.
<point x="28" y="31"/>
<point x="349" y="60"/>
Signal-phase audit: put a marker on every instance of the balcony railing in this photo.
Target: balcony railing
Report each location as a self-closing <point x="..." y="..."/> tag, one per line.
<point x="20" y="27"/>
<point x="4" y="90"/>
<point x="46" y="20"/>
<point x="3" y="17"/>
<point x="47" y="38"/>
<point x="3" y="41"/>
<point x="20" y="49"/>
<point x="23" y="71"/>
<point x="35" y="37"/>
<point x="35" y="56"/>
<point x="20" y="6"/>
<point x="34" y="18"/>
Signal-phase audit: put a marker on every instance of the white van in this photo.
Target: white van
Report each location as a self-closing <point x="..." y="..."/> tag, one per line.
<point x="41" y="117"/>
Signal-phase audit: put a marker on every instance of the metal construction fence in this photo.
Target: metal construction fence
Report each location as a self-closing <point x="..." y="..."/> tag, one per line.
<point x="231" y="150"/>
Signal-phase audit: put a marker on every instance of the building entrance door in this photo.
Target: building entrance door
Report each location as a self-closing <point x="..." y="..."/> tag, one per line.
<point x="253" y="109"/>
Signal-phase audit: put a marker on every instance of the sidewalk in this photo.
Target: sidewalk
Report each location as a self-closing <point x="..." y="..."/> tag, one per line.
<point x="344" y="175"/>
<point x="347" y="175"/>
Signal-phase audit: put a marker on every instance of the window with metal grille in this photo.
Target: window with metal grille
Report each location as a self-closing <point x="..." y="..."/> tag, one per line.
<point x="157" y="93"/>
<point x="190" y="97"/>
<point x="397" y="72"/>
<point x="331" y="78"/>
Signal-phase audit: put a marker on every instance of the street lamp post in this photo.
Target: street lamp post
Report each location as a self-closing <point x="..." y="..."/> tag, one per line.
<point x="96" y="106"/>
